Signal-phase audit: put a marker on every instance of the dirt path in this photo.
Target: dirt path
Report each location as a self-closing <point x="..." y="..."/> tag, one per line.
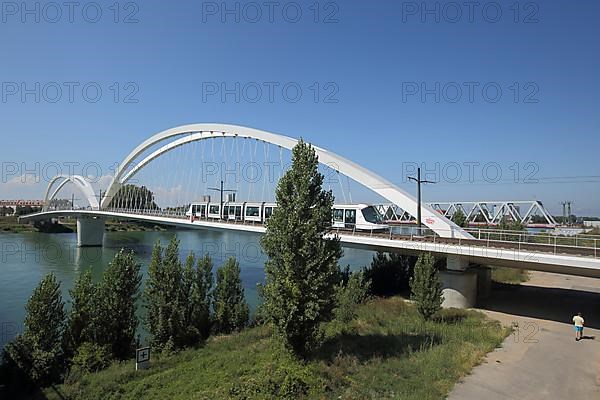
<point x="541" y="360"/>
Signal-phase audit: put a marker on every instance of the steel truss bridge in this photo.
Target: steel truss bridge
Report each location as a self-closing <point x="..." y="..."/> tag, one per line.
<point x="530" y="213"/>
<point x="167" y="151"/>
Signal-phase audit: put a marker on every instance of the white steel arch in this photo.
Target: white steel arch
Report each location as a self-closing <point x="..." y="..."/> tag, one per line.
<point x="432" y="219"/>
<point x="79" y="181"/>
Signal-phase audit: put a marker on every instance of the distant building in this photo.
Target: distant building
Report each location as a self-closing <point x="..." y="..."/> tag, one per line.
<point x="21" y="203"/>
<point x="591" y="224"/>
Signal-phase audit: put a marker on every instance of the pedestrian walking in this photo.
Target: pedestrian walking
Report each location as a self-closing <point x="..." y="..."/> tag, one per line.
<point x="579" y="322"/>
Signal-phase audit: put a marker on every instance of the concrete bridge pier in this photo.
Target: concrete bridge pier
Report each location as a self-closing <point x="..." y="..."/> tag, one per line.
<point x="484" y="282"/>
<point x="459" y="284"/>
<point x="90" y="232"/>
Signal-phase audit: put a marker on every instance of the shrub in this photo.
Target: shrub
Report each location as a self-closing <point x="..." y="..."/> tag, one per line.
<point x="17" y="365"/>
<point x="350" y="295"/>
<point x="288" y="381"/>
<point x="91" y="357"/>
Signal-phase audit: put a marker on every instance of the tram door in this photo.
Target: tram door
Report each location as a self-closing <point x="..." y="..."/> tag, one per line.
<point x="349" y="219"/>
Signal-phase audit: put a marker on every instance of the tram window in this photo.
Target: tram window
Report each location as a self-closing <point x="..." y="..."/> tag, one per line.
<point x="252" y="211"/>
<point x="350" y="216"/>
<point x="194" y="209"/>
<point x="238" y="211"/>
<point x="213" y="210"/>
<point x="338" y="215"/>
<point x="203" y="211"/>
<point x="268" y="212"/>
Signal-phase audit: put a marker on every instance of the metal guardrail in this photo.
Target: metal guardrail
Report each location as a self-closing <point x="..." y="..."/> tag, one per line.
<point x="581" y="245"/>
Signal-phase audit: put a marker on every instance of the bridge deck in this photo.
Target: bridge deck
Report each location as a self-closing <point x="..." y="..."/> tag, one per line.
<point x="574" y="260"/>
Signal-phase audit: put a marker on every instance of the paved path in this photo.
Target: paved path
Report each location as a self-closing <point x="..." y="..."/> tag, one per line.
<point x="541" y="360"/>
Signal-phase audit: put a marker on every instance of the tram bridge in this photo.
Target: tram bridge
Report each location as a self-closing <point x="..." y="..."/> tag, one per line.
<point x="168" y="151"/>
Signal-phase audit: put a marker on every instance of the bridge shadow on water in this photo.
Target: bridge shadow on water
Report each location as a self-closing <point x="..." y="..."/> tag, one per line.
<point x="367" y="347"/>
<point x="546" y="303"/>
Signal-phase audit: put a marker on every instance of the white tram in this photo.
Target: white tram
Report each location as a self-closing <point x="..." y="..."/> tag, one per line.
<point x="345" y="216"/>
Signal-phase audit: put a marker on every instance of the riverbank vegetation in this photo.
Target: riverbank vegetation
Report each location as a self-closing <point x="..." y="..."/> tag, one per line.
<point x="386" y="351"/>
<point x="11" y="224"/>
<point x="100" y="327"/>
<point x="509" y="275"/>
<point x="372" y="347"/>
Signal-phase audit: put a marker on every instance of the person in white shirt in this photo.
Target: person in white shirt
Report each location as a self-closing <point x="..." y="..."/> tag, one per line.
<point x="579" y="322"/>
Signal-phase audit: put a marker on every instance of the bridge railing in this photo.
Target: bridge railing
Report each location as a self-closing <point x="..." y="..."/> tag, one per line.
<point x="583" y="245"/>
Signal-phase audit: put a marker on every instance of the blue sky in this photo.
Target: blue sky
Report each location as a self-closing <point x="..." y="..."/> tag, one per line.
<point x="370" y="61"/>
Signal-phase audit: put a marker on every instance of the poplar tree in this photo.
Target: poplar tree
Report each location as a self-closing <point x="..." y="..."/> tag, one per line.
<point x="202" y="296"/>
<point x="80" y="321"/>
<point x="38" y="352"/>
<point x="189" y="332"/>
<point x="302" y="270"/>
<point x="196" y="299"/>
<point x="230" y="308"/>
<point x="163" y="297"/>
<point x="426" y="286"/>
<point x="116" y="320"/>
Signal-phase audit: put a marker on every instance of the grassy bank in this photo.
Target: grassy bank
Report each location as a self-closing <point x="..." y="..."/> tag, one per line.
<point x="126" y="226"/>
<point x="12" y="225"/>
<point x="386" y="352"/>
<point x="509" y="275"/>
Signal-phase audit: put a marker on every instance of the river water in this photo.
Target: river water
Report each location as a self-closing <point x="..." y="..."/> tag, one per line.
<point x="26" y="257"/>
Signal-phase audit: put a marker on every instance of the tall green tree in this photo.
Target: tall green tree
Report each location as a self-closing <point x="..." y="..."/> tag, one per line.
<point x="201" y="297"/>
<point x="390" y="273"/>
<point x="153" y="296"/>
<point x="163" y="297"/>
<point x="508" y="224"/>
<point x="133" y="197"/>
<point x="196" y="283"/>
<point x="460" y="219"/>
<point x="230" y="308"/>
<point x="80" y="320"/>
<point x="302" y="270"/>
<point x="426" y="286"/>
<point x="116" y="318"/>
<point x="190" y="333"/>
<point x="38" y="352"/>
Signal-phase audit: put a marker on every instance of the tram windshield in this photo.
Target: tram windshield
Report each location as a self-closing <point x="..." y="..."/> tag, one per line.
<point x="371" y="215"/>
